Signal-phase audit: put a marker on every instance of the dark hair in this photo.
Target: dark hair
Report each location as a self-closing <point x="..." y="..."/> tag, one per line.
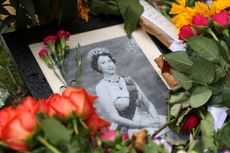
<point x="94" y="61"/>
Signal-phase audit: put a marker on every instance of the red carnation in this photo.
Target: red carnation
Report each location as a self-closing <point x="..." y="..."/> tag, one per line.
<point x="63" y="33"/>
<point x="221" y="19"/>
<point x="190" y="122"/>
<point x="43" y="52"/>
<point x="49" y="39"/>
<point x="199" y="20"/>
<point x="186" y="32"/>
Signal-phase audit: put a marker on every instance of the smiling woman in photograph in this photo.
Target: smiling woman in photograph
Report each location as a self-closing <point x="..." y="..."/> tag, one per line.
<point x="127" y="107"/>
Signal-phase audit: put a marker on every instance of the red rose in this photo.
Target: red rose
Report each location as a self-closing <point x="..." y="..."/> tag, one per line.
<point x="190" y="122"/>
<point x="96" y="123"/>
<point x="49" y="39"/>
<point x="63" y="33"/>
<point x="58" y="105"/>
<point x="82" y="99"/>
<point x="6" y="114"/>
<point x="186" y="32"/>
<point x="221" y="19"/>
<point x="200" y="21"/>
<point x="19" y="125"/>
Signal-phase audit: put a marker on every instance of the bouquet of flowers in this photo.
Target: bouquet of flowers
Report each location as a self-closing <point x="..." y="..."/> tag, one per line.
<point x="199" y="97"/>
<point x="66" y="123"/>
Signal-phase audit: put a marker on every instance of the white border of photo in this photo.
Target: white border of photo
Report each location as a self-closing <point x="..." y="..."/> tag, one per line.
<point x="143" y="40"/>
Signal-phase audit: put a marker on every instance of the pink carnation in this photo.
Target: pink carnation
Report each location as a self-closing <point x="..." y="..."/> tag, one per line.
<point x="43" y="52"/>
<point x="49" y="39"/>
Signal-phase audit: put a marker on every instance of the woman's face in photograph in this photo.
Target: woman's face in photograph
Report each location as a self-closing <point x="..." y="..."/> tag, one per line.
<point x="106" y="65"/>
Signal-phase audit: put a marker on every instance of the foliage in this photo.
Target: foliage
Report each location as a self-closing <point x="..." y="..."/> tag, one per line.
<point x="61" y="124"/>
<point x="30" y="13"/>
<point x="10" y="78"/>
<point x="203" y="74"/>
<point x="129" y="9"/>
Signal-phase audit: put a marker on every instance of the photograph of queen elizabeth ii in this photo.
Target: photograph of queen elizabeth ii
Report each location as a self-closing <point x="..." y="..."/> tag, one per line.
<point x="131" y="95"/>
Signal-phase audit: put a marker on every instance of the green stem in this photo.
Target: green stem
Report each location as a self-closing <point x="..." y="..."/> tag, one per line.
<point x="75" y="125"/>
<point x="64" y="74"/>
<point x="209" y="30"/>
<point x="78" y="66"/>
<point x="163" y="127"/>
<point x="83" y="124"/>
<point x="59" y="76"/>
<point x="47" y="144"/>
<point x="225" y="32"/>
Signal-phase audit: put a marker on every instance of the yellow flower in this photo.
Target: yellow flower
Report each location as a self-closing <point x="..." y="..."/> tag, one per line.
<point x="201" y="8"/>
<point x="219" y="6"/>
<point x="183" y="14"/>
<point x="182" y="19"/>
<point x="83" y="11"/>
<point x="178" y="8"/>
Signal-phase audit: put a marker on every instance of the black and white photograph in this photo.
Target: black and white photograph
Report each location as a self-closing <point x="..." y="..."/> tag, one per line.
<point x="130" y="93"/>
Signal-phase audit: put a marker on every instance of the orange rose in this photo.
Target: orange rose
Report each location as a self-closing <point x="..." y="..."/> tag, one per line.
<point x="82" y="99"/>
<point x="95" y="122"/>
<point x="30" y="104"/>
<point x="6" y="114"/>
<point x="58" y="105"/>
<point x="19" y="125"/>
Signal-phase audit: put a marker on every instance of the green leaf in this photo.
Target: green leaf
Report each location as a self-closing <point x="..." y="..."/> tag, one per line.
<point x="196" y="145"/>
<point x="224" y="51"/>
<point x="55" y="132"/>
<point x="216" y="100"/>
<point x="131" y="11"/>
<point x="219" y="73"/>
<point x="205" y="47"/>
<point x="152" y="147"/>
<point x="181" y="96"/>
<point x="203" y="71"/>
<point x="225" y="95"/>
<point x="7" y="21"/>
<point x="175" y="110"/>
<point x="105" y="7"/>
<point x="179" y="61"/>
<point x="207" y="130"/>
<point x="29" y="6"/>
<point x="180" y="119"/>
<point x="39" y="150"/>
<point x="200" y="96"/>
<point x="223" y="135"/>
<point x="227" y="42"/>
<point x="183" y="80"/>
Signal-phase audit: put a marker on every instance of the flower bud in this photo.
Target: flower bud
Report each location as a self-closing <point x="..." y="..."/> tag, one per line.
<point x="44" y="54"/>
<point x="200" y="22"/>
<point x="221" y="19"/>
<point x="186" y="32"/>
<point x="190" y="122"/>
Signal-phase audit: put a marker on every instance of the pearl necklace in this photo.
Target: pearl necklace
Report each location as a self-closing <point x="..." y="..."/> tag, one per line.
<point x="116" y="81"/>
